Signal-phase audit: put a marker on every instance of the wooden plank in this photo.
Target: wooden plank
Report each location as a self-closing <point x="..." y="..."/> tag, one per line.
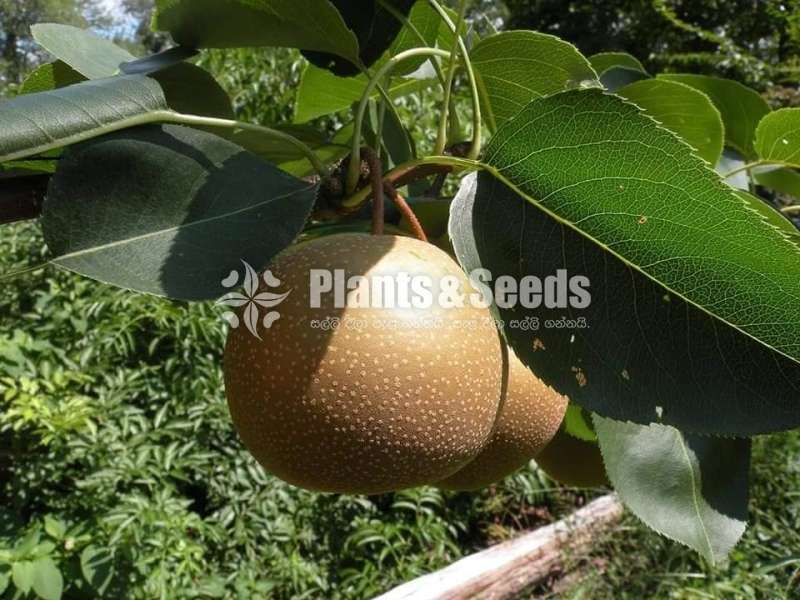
<point x="506" y="569"/>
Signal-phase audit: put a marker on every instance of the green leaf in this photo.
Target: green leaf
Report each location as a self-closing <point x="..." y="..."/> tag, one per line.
<point x="5" y="579"/>
<point x="321" y="92"/>
<point x="55" y="528"/>
<point x="90" y="55"/>
<point x="22" y="575"/>
<point x="50" y="76"/>
<point x="429" y="24"/>
<point x="778" y="137"/>
<point x="287" y="156"/>
<point x="603" y="61"/>
<point x="395" y="139"/>
<point x="304" y="24"/>
<point x="48" y="583"/>
<point x="691" y="489"/>
<point x="97" y="567"/>
<point x="169" y="211"/>
<point x="374" y="27"/>
<point x="784" y="181"/>
<point x="515" y="67"/>
<point x="692" y="320"/>
<point x="771" y="215"/>
<point x="37" y="123"/>
<point x="683" y="110"/>
<point x="741" y="108"/>
<point x="187" y="88"/>
<point x="578" y="424"/>
<point x="617" y="78"/>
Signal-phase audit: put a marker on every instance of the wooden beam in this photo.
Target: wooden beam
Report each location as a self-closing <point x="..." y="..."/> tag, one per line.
<point x="506" y="569"/>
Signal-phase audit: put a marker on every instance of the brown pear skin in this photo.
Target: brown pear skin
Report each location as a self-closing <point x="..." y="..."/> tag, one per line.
<point x="573" y="462"/>
<point x="529" y="417"/>
<point x="370" y="408"/>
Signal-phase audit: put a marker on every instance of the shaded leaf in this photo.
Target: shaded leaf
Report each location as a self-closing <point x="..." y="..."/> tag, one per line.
<point x="683" y="110"/>
<point x="97" y="567"/>
<point x="692" y="312"/>
<point x="617" y="78"/>
<point x="578" y="424"/>
<point x="785" y="181"/>
<point x="169" y="211"/>
<point x="778" y="137"/>
<point x="375" y="29"/>
<point x="304" y="24"/>
<point x="691" y="489"/>
<point x="515" y="67"/>
<point x="741" y="108"/>
<point x="603" y="61"/>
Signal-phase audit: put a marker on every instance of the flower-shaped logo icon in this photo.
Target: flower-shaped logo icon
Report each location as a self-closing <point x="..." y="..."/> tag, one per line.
<point x="251" y="299"/>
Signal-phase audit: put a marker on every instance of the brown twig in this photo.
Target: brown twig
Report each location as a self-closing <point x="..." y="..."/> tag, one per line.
<point x="376" y="181"/>
<point x="406" y="211"/>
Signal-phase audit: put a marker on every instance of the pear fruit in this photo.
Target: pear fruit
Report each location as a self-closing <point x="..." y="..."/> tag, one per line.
<point x="530" y="415"/>
<point x="363" y="398"/>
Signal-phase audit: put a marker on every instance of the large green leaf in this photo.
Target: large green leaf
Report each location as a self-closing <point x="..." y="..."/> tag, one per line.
<point x="603" y="61"/>
<point x="169" y="211"/>
<point x="321" y="92"/>
<point x="515" y="67"/>
<point x="692" y="489"/>
<point x="682" y="109"/>
<point x="187" y="88"/>
<point x="693" y="315"/>
<point x="90" y="55"/>
<point x="48" y="583"/>
<point x="778" y="137"/>
<point x="305" y="24"/>
<point x="375" y="28"/>
<point x="37" y="123"/>
<point x="741" y="108"/>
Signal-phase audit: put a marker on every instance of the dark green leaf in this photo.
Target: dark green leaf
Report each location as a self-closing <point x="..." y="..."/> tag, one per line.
<point x="395" y="139"/>
<point x="429" y="24"/>
<point x="374" y="27"/>
<point x="97" y="567"/>
<point x="683" y="110"/>
<point x="741" y="108"/>
<point x="48" y="583"/>
<point x="692" y="489"/>
<point x="305" y="24"/>
<point x="692" y="320"/>
<point x="192" y="90"/>
<point x="37" y="123"/>
<point x="515" y="67"/>
<point x="578" y="423"/>
<point x="169" y="211"/>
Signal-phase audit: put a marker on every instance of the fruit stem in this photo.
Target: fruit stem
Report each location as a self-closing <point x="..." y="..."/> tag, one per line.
<point x="406" y="211"/>
<point x="376" y="180"/>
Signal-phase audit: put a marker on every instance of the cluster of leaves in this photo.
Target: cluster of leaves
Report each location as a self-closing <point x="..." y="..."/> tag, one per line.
<point x="121" y="475"/>
<point x="594" y="167"/>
